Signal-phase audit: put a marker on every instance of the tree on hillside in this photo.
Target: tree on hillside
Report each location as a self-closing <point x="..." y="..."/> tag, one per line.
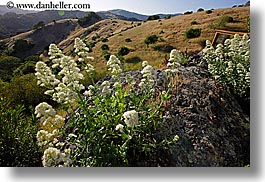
<point x="123" y="51"/>
<point x="40" y="24"/>
<point x="151" y="39"/>
<point x="200" y="10"/>
<point x="153" y="17"/>
<point x="85" y="21"/>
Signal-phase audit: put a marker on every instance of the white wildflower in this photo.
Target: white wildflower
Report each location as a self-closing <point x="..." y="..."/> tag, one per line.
<point x="131" y="118"/>
<point x="119" y="128"/>
<point x="53" y="157"/>
<point x="114" y="65"/>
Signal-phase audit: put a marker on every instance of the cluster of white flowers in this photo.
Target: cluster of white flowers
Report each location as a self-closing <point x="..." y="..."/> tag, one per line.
<point x="230" y="62"/>
<point x="64" y="88"/>
<point x="82" y="52"/>
<point x="55" y="55"/>
<point x="90" y="91"/>
<point x="149" y="76"/>
<point x="46" y="139"/>
<point x="174" y="62"/>
<point x="131" y="118"/>
<point x="105" y="88"/>
<point x="119" y="128"/>
<point x="48" y="115"/>
<point x="114" y="66"/>
<point x="54" y="157"/>
<point x="45" y="76"/>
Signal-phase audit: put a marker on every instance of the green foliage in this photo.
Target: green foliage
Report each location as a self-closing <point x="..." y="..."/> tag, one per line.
<point x="104" y="47"/>
<point x="87" y="20"/>
<point x="193" y="33"/>
<point x="7" y="65"/>
<point x="221" y="22"/>
<point x="21" y="46"/>
<point x="33" y="58"/>
<point x="24" y="90"/>
<point x="151" y="39"/>
<point x="167" y="17"/>
<point x="194" y="22"/>
<point x="123" y="51"/>
<point x="153" y="17"/>
<point x="200" y="10"/>
<point x="25" y="68"/>
<point x="40" y="24"/>
<point x="106" y="56"/>
<point x="209" y="11"/>
<point x="163" y="48"/>
<point x="3" y="45"/>
<point x="18" y="147"/>
<point x="90" y="45"/>
<point x="248" y="24"/>
<point x="188" y="12"/>
<point x="128" y="40"/>
<point x="104" y="40"/>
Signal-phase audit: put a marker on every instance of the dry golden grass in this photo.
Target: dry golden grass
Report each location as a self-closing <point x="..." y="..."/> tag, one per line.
<point x="170" y="31"/>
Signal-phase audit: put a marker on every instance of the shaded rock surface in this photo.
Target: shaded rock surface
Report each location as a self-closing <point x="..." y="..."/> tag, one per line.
<point x="213" y="129"/>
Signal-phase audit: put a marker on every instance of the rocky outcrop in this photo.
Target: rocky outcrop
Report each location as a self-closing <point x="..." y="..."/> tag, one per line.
<point x="213" y="129"/>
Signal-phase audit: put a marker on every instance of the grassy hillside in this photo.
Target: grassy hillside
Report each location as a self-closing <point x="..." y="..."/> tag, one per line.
<point x="12" y="23"/>
<point x="171" y="33"/>
<point x="40" y="39"/>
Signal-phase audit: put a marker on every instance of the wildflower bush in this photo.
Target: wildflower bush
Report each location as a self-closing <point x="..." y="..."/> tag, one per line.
<point x="229" y="63"/>
<point x="108" y="124"/>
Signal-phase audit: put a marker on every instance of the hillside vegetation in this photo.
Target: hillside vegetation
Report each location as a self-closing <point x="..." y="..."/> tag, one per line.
<point x="170" y="32"/>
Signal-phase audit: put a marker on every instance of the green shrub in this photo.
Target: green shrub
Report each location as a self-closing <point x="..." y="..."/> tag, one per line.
<point x="193" y="33"/>
<point x="33" y="58"/>
<point x="25" y="68"/>
<point x="40" y="24"/>
<point x="194" y="22"/>
<point x="87" y="20"/>
<point x="128" y="40"/>
<point x="123" y="51"/>
<point x="18" y="137"/>
<point x="104" y="47"/>
<point x="188" y="12"/>
<point x="200" y="10"/>
<point x="104" y="40"/>
<point x="7" y="65"/>
<point x="106" y="56"/>
<point x="21" y="46"/>
<point x="23" y="90"/>
<point x="153" y="17"/>
<point x="222" y="21"/>
<point x="90" y="46"/>
<point x="151" y="39"/>
<point x="209" y="11"/>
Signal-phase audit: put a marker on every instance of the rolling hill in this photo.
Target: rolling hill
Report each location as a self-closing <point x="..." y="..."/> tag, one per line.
<point x="4" y="10"/>
<point x="171" y="33"/>
<point x="12" y="23"/>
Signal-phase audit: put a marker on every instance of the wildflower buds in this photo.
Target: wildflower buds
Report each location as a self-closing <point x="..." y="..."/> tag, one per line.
<point x="131" y="118"/>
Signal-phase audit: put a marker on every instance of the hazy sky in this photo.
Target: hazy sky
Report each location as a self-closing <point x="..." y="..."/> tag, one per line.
<point x="146" y="6"/>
